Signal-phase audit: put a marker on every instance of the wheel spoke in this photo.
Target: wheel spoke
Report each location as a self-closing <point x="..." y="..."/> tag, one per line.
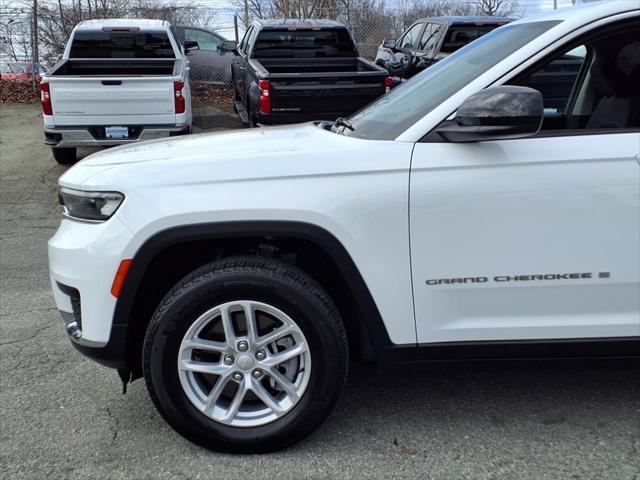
<point x="203" y="367"/>
<point x="227" y="325"/>
<point x="215" y="393"/>
<point x="233" y="409"/>
<point x="273" y="336"/>
<point x="266" y="397"/>
<point x="208" y="345"/>
<point x="288" y="354"/>
<point x="241" y="361"/>
<point x="250" y="317"/>
<point x="286" y="384"/>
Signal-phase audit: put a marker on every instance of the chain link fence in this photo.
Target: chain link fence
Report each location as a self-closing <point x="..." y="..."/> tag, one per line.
<point x="370" y="22"/>
<point x="212" y="67"/>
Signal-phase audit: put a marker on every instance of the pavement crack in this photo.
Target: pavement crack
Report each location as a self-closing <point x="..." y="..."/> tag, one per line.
<point x="20" y="312"/>
<point x="114" y="424"/>
<point x="31" y="337"/>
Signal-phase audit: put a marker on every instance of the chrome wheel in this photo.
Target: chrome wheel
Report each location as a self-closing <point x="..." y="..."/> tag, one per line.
<point x="244" y="363"/>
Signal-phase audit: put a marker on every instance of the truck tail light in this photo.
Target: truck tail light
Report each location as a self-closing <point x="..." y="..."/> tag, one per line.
<point x="388" y="84"/>
<point x="265" y="99"/>
<point x="45" y="99"/>
<point x="179" y="97"/>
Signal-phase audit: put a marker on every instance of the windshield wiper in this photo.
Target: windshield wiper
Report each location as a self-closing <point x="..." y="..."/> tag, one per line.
<point x="343" y="122"/>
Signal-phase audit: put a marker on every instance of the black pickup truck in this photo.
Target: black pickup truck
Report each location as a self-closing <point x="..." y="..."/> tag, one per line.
<point x="288" y="71"/>
<point x="429" y="40"/>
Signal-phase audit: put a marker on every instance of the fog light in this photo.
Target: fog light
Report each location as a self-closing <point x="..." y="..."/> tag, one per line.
<point x="73" y="330"/>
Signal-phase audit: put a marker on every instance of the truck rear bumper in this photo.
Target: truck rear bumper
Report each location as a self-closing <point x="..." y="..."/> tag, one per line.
<point x="94" y="136"/>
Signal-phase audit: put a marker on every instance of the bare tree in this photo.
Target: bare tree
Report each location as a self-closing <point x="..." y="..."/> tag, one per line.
<point x="501" y="8"/>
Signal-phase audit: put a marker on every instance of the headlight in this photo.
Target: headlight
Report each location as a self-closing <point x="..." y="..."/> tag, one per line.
<point x="89" y="206"/>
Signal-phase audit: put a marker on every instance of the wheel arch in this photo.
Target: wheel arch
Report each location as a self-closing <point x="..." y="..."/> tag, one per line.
<point x="367" y="333"/>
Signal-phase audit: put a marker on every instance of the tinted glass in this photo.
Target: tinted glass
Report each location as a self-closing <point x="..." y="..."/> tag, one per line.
<point x="459" y="35"/>
<point x="206" y="41"/>
<point x="393" y="113"/>
<point x="325" y="43"/>
<point x="430" y="37"/>
<point x="121" y="45"/>
<point x="243" y="42"/>
<point x="410" y="38"/>
<point x="556" y="79"/>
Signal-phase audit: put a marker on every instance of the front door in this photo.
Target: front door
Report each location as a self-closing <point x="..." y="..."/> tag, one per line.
<point x="535" y="238"/>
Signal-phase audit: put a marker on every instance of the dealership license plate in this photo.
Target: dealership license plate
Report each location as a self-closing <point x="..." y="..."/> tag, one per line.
<point x="116" y="132"/>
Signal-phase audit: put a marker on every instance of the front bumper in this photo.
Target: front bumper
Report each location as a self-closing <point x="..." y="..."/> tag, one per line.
<point x="83" y="261"/>
<point x="111" y="354"/>
<point x="94" y="136"/>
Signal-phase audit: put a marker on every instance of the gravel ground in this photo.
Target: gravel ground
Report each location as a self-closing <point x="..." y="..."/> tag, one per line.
<point x="62" y="416"/>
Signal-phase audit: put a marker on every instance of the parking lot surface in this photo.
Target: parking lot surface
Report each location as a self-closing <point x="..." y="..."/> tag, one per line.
<point x="63" y="416"/>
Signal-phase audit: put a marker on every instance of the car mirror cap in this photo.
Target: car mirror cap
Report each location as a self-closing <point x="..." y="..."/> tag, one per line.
<point x="495" y="113"/>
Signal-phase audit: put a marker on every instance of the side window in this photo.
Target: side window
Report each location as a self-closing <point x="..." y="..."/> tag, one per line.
<point x="430" y="37"/>
<point x="591" y="86"/>
<point x="556" y="79"/>
<point x="251" y="40"/>
<point x="409" y="40"/>
<point x="206" y="41"/>
<point x="243" y="42"/>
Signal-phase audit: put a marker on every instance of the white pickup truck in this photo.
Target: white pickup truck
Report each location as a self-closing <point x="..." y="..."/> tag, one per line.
<point x="119" y="81"/>
<point x="463" y="215"/>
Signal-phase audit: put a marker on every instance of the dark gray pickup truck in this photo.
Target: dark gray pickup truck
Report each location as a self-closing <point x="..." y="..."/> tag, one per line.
<point x="288" y="71"/>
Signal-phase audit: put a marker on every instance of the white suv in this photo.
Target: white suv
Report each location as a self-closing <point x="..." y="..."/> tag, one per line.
<point x="489" y="207"/>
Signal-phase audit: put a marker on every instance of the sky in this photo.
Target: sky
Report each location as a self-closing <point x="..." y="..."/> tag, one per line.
<point x="526" y="8"/>
<point x="530" y="7"/>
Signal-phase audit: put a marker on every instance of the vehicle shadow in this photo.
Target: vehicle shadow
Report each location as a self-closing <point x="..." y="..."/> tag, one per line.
<point x="406" y="405"/>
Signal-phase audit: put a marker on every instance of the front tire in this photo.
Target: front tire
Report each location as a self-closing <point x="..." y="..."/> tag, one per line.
<point x="64" y="156"/>
<point x="245" y="355"/>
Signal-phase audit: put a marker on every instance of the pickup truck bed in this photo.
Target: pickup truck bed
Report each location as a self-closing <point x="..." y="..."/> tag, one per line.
<point x="295" y="71"/>
<point x="120" y="81"/>
<point x="112" y="67"/>
<point x="302" y="66"/>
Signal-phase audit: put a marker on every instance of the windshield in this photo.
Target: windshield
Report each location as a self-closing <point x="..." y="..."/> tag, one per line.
<point x="395" y="112"/>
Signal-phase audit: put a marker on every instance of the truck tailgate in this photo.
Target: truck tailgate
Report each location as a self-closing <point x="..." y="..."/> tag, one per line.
<point x="112" y="100"/>
<point x="325" y="94"/>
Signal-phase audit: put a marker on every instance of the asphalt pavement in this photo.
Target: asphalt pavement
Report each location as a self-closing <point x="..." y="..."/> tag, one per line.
<point x="63" y="416"/>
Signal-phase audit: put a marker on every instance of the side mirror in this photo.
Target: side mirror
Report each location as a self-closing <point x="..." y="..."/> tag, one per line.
<point x="190" y="46"/>
<point x="229" y="46"/>
<point x="389" y="43"/>
<point x="496" y="113"/>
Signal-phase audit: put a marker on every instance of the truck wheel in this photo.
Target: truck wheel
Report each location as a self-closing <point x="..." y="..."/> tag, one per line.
<point x="245" y="355"/>
<point x="64" y="156"/>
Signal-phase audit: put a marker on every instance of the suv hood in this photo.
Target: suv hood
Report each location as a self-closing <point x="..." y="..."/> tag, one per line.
<point x="212" y="157"/>
<point x="209" y="145"/>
